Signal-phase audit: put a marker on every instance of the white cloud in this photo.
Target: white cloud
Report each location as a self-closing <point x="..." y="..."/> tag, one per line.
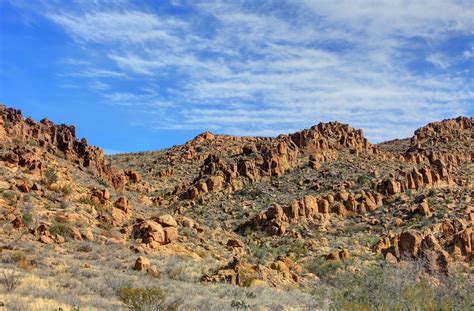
<point x="98" y="85"/>
<point x="268" y="68"/>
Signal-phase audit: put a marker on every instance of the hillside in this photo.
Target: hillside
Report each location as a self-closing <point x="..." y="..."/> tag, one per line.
<point x="317" y="219"/>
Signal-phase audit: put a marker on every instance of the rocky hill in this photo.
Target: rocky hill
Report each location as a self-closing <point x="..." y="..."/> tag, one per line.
<point x="317" y="219"/>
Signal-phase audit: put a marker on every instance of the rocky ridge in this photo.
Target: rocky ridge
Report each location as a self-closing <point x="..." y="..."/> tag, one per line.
<point x="260" y="211"/>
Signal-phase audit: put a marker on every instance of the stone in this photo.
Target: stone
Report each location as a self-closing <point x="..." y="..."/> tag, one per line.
<point x="424" y="209"/>
<point x="171" y="234"/>
<point x="4" y="185"/>
<point x="390" y="258"/>
<point x="235" y="243"/>
<point x="88" y="235"/>
<point x="167" y="221"/>
<point x="46" y="240"/>
<point x="409" y="243"/>
<point x="123" y="204"/>
<point x="141" y="264"/>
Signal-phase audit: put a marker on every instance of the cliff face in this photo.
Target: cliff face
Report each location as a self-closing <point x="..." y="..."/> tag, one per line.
<point x="55" y="139"/>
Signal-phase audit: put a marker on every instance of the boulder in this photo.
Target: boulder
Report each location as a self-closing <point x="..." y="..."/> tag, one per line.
<point x="123" y="204"/>
<point x="409" y="243"/>
<point x="141" y="264"/>
<point x="167" y="221"/>
<point x="424" y="209"/>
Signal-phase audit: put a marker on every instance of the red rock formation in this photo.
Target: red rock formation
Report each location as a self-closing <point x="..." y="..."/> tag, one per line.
<point x="432" y="142"/>
<point x="436" y="175"/>
<point x="263" y="158"/>
<point x="53" y="139"/>
<point x="453" y="242"/>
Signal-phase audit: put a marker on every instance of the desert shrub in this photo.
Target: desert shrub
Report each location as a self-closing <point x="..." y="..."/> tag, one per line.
<point x="362" y="180"/>
<point x="298" y="250"/>
<point x="102" y="182"/>
<point x="247" y="276"/>
<point x="386" y="287"/>
<point x="88" y="200"/>
<point x="324" y="268"/>
<point x="85" y="200"/>
<point x="239" y="304"/>
<point x="66" y="189"/>
<point x="432" y="192"/>
<point x="85" y="247"/>
<point x="261" y="253"/>
<point x="63" y="205"/>
<point x="27" y="218"/>
<point x="11" y="280"/>
<point x="10" y="196"/>
<point x="51" y="176"/>
<point x="151" y="298"/>
<point x="14" y="257"/>
<point x="60" y="228"/>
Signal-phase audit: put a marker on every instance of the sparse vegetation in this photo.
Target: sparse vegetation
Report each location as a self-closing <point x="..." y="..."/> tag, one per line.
<point x="151" y="298"/>
<point x="264" y="229"/>
<point x="11" y="280"/>
<point x="51" y="176"/>
<point x="63" y="229"/>
<point x="102" y="182"/>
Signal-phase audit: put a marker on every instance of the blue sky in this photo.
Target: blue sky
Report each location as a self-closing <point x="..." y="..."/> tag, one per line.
<point x="143" y="75"/>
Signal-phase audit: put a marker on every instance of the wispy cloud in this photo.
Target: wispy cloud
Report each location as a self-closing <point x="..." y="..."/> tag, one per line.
<point x="266" y="68"/>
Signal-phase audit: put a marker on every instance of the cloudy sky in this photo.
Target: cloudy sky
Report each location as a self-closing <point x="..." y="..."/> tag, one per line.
<point x="142" y="75"/>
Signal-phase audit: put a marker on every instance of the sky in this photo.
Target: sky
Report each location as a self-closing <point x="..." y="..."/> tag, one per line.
<point x="146" y="75"/>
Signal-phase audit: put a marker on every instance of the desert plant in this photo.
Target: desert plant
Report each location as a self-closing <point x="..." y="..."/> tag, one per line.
<point x="363" y="179"/>
<point x="60" y="228"/>
<point x="51" y="176"/>
<point x="102" y="182"/>
<point x="10" y="196"/>
<point x="386" y="287"/>
<point x="150" y="298"/>
<point x="63" y="205"/>
<point x="27" y="218"/>
<point x="11" y="280"/>
<point x="66" y="190"/>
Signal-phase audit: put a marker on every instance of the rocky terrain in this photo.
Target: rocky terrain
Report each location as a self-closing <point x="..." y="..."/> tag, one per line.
<point x="317" y="219"/>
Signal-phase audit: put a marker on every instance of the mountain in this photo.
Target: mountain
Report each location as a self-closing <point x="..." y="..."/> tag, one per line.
<point x="316" y="219"/>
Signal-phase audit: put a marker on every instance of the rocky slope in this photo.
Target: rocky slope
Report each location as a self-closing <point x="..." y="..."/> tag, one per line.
<point x="298" y="212"/>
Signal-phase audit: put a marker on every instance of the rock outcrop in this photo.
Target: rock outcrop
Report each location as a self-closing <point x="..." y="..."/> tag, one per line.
<point x="438" y="249"/>
<point x="436" y="175"/>
<point x="266" y="158"/>
<point x="53" y="139"/>
<point x="435" y="142"/>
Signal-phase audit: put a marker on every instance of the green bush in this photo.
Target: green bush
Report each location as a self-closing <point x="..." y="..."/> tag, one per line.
<point x="386" y="287"/>
<point x="10" y="196"/>
<point x="27" y="218"/>
<point x="323" y="268"/>
<point x="66" y="190"/>
<point x="102" y="182"/>
<point x="51" y="176"/>
<point x="143" y="298"/>
<point x="60" y="228"/>
<point x="362" y="180"/>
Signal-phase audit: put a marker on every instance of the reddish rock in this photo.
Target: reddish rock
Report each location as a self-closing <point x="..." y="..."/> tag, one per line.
<point x="171" y="234"/>
<point x="123" y="204"/>
<point x="409" y="243"/>
<point x="46" y="240"/>
<point x="167" y="221"/>
<point x="141" y="264"/>
<point x="424" y="209"/>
